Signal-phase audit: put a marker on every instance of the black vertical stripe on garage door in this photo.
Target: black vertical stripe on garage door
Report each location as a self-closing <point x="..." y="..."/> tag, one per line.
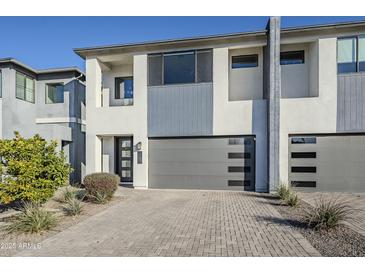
<point x="202" y="163"/>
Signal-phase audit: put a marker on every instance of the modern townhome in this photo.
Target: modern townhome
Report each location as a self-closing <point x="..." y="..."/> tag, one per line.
<point x="241" y="111"/>
<point x="48" y="102"/>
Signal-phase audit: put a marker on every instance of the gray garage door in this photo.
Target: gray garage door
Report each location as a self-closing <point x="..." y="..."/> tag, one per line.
<point x="202" y="163"/>
<point x="334" y="163"/>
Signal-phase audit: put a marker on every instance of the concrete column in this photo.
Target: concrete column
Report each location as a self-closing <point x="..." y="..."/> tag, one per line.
<point x="93" y="83"/>
<point x="140" y="176"/>
<point x="93" y="101"/>
<point x="273" y="100"/>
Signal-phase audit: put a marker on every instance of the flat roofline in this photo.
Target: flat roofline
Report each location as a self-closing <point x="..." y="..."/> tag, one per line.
<point x="40" y="71"/>
<point x="85" y="51"/>
<point x="80" y="51"/>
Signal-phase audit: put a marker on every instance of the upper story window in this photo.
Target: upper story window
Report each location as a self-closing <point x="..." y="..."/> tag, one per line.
<point x="292" y="57"/>
<point x="245" y="61"/>
<point x="124" y="90"/>
<point x="180" y="67"/>
<point x="351" y="54"/>
<point x="25" y="87"/>
<point x="54" y="93"/>
<point x="1" y="85"/>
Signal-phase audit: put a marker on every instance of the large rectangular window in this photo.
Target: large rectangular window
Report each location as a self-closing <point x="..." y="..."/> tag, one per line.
<point x="124" y="89"/>
<point x="292" y="57"/>
<point x="25" y="87"/>
<point x="54" y="93"/>
<point x="180" y="67"/>
<point x="245" y="61"/>
<point x="351" y="54"/>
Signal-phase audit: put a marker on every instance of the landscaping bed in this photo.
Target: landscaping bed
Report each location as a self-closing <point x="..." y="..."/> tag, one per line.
<point x="336" y="242"/>
<point x="12" y="243"/>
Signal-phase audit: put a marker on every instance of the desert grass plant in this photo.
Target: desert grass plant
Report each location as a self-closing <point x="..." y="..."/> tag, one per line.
<point x="69" y="193"/>
<point x="73" y="207"/>
<point x="100" y="198"/>
<point x="32" y="219"/>
<point x="283" y="191"/>
<point x="327" y="213"/>
<point x="292" y="199"/>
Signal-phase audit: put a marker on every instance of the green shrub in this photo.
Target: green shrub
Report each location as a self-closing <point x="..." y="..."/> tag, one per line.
<point x="292" y="199"/>
<point x="32" y="219"/>
<point x="72" y="207"/>
<point x="327" y="214"/>
<point x="283" y="191"/>
<point x="31" y="169"/>
<point x="101" y="186"/>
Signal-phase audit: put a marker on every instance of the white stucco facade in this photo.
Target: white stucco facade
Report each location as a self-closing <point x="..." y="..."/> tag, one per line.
<point x="239" y="97"/>
<point x="109" y="120"/>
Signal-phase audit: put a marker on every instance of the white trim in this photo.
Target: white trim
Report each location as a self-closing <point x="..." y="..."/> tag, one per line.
<point x="55" y="120"/>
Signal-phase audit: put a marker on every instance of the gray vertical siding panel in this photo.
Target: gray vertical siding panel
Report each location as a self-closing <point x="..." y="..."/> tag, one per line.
<point x="350" y="102"/>
<point x="180" y="110"/>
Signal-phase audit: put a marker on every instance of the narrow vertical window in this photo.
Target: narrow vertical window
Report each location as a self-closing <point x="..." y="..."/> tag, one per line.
<point x="25" y="88"/>
<point x="347" y="55"/>
<point x="362" y="53"/>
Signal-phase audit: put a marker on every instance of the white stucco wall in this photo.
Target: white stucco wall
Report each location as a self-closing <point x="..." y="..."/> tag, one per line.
<point x="238" y="117"/>
<point x="116" y="120"/>
<point x="246" y="83"/>
<point x="313" y="114"/>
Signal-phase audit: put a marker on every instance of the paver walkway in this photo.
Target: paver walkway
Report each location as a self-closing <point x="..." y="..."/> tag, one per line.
<point x="356" y="201"/>
<point x="180" y="223"/>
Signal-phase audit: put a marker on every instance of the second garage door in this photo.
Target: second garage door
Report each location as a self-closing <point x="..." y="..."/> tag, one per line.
<point x="334" y="163"/>
<point x="202" y="163"/>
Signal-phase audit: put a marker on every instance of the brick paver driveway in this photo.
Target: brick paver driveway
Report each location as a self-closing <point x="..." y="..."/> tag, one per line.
<point x="180" y="223"/>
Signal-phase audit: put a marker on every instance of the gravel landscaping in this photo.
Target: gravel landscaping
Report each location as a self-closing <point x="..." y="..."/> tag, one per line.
<point x="10" y="244"/>
<point x="339" y="242"/>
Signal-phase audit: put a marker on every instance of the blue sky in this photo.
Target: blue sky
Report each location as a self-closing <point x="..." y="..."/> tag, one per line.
<point x="47" y="42"/>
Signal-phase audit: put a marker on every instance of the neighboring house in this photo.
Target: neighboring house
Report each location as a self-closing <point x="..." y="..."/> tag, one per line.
<point x="49" y="102"/>
<point x="238" y="111"/>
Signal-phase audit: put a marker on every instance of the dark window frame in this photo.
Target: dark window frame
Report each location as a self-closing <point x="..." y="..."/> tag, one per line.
<point x="117" y="87"/>
<point x="46" y="93"/>
<point x="357" y="53"/>
<point x="163" y="54"/>
<point x="302" y="52"/>
<point x="256" y="63"/>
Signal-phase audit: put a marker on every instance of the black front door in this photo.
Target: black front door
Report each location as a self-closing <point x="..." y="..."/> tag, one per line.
<point x="124" y="158"/>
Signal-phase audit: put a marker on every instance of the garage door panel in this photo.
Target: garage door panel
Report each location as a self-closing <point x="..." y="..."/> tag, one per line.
<point x="202" y="163"/>
<point x="339" y="162"/>
<point x="198" y="155"/>
<point x="189" y="182"/>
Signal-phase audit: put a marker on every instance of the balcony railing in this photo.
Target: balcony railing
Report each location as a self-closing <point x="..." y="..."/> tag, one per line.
<point x="107" y="102"/>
